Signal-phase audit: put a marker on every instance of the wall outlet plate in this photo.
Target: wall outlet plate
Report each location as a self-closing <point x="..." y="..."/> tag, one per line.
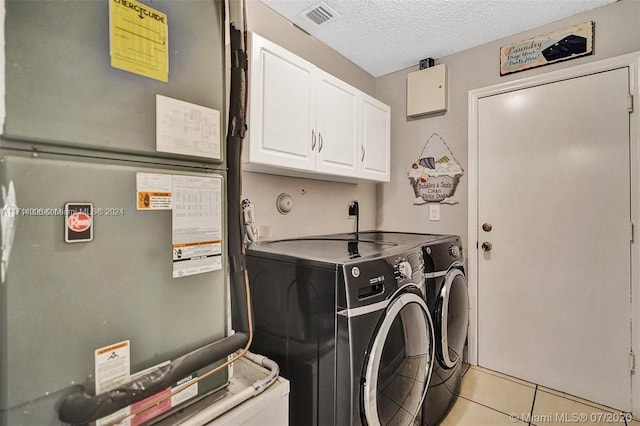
<point x="434" y="212"/>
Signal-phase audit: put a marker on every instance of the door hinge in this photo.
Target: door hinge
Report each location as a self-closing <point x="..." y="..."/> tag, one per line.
<point x="632" y="362"/>
<point x="630" y="102"/>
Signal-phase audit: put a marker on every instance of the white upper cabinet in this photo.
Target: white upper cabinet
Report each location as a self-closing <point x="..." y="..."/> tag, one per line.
<point x="282" y="107"/>
<point x="305" y="122"/>
<point x="375" y="140"/>
<point x="338" y="118"/>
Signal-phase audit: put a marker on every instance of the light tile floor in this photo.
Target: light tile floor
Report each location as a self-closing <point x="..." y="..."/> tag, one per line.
<point x="488" y="398"/>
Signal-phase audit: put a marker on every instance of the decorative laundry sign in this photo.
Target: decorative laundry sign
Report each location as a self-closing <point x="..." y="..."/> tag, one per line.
<point x="546" y="49"/>
<point x="434" y="176"/>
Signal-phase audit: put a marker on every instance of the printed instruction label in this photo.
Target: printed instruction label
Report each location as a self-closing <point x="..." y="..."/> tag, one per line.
<point x="181" y="393"/>
<point x="187" y="129"/>
<point x="112" y="366"/>
<point x="153" y="191"/>
<point x="197" y="225"/>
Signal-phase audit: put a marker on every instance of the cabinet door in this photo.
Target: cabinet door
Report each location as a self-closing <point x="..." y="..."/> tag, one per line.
<point x="338" y="130"/>
<point x="375" y="140"/>
<point x="282" y="107"/>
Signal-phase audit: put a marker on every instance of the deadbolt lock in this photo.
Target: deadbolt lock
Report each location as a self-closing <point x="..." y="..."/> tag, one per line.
<point x="487" y="227"/>
<point x="487" y="246"/>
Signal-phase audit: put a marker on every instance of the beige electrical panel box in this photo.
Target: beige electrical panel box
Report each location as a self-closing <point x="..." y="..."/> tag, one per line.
<point x="427" y="91"/>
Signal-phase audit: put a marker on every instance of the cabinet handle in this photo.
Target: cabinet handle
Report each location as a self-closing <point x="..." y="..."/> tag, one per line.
<point x="313" y="140"/>
<point x="363" y="151"/>
<point x="321" y="143"/>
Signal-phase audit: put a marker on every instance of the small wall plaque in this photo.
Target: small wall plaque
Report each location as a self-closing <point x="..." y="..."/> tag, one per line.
<point x="562" y="45"/>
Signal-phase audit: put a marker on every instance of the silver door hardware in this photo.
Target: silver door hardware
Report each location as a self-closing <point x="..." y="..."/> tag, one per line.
<point x="321" y="144"/>
<point x="362" y="149"/>
<point x="313" y="140"/>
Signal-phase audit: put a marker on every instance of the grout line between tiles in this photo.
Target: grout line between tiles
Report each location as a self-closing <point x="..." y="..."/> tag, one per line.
<point x="579" y="400"/>
<point x="486" y="406"/>
<point x="466" y="367"/>
<point x="564" y="395"/>
<point x="505" y="376"/>
<point x="533" y="404"/>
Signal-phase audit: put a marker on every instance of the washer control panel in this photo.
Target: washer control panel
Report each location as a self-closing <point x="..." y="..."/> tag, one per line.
<point x="402" y="270"/>
<point x="405" y="267"/>
<point x="454" y="250"/>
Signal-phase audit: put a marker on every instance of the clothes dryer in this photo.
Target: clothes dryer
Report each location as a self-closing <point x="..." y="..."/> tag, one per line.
<point x="447" y="297"/>
<point x="347" y="322"/>
<point x="448" y="300"/>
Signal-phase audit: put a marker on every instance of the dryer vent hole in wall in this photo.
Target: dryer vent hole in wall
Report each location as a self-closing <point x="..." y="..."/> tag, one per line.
<point x="284" y="203"/>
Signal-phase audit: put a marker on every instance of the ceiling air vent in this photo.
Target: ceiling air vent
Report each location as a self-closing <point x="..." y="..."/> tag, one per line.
<point x="319" y="13"/>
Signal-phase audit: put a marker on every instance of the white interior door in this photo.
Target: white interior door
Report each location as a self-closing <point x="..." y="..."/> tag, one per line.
<point x="554" y="183"/>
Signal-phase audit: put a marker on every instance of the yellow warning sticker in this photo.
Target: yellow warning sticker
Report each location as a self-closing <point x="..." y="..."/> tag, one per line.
<point x="153" y="191"/>
<point x="139" y="39"/>
<point x="154" y="200"/>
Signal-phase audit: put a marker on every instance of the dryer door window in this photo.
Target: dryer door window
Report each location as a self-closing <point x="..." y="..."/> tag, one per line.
<point x="400" y="361"/>
<point x="452" y="318"/>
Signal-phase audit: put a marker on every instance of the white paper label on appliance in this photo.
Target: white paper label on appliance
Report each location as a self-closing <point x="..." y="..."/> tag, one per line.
<point x="187" y="129"/>
<point x="180" y="393"/>
<point x="153" y="191"/>
<point x="197" y="225"/>
<point x="113" y="368"/>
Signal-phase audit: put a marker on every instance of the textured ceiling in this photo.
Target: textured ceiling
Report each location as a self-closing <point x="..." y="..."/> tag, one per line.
<point x="383" y="36"/>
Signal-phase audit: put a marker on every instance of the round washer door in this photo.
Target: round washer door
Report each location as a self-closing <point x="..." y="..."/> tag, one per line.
<point x="400" y="362"/>
<point x="452" y="318"/>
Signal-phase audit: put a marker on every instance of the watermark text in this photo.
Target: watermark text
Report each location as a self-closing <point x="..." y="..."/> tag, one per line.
<point x="11" y="210"/>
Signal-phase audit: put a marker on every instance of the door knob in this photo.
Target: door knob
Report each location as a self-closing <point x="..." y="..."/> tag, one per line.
<point x="487" y="246"/>
<point x="487" y="227"/>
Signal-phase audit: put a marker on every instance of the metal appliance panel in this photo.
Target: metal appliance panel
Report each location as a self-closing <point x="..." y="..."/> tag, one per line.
<point x="294" y="305"/>
<point x="61" y="88"/>
<point x="62" y="301"/>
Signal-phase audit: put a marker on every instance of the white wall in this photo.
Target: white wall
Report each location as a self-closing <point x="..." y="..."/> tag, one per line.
<point x="390" y="206"/>
<point x="318" y="207"/>
<point x="617" y="31"/>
